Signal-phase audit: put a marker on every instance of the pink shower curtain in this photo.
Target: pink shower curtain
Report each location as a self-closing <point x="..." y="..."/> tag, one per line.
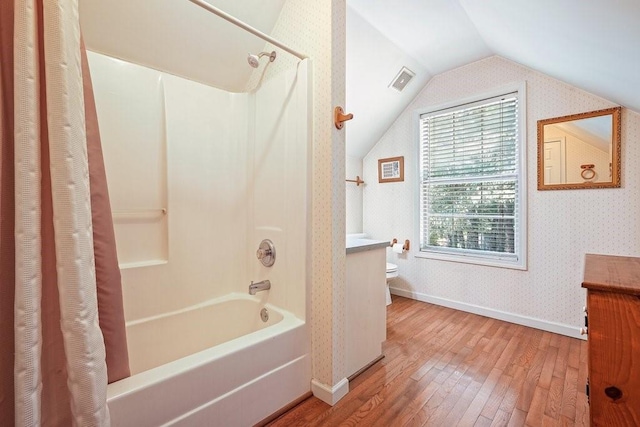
<point x="62" y="335"/>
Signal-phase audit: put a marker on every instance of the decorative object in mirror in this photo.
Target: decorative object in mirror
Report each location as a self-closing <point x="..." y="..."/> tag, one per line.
<point x="580" y="151"/>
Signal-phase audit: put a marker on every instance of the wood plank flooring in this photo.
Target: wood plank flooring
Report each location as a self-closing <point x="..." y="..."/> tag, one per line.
<point x="444" y="367"/>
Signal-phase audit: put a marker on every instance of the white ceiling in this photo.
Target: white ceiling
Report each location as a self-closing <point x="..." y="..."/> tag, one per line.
<point x="372" y="63"/>
<point x="179" y="37"/>
<point x="591" y="44"/>
<point x="437" y="33"/>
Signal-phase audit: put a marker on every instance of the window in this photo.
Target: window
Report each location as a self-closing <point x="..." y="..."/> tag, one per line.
<point x="472" y="183"/>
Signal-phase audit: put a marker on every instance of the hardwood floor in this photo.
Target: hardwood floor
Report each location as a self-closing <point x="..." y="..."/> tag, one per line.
<point x="444" y="367"/>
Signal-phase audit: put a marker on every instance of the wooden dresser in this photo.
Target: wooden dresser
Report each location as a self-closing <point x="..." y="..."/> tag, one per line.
<point x="613" y="307"/>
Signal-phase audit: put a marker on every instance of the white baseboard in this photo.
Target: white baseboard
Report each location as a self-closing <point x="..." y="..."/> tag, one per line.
<point x="557" y="328"/>
<point x="327" y="394"/>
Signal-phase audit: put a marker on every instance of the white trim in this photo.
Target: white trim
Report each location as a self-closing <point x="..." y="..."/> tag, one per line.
<point x="327" y="394"/>
<point x="498" y="91"/>
<point x="522" y="235"/>
<point x="532" y="322"/>
<point x="468" y="258"/>
<point x="523" y="195"/>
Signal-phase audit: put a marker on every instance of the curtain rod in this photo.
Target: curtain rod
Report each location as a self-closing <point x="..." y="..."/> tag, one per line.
<point x="246" y="27"/>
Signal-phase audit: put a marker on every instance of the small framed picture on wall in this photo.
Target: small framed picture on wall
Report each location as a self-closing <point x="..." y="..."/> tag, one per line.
<point x="391" y="169"/>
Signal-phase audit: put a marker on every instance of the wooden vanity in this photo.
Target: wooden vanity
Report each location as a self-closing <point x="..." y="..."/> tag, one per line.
<point x="613" y="322"/>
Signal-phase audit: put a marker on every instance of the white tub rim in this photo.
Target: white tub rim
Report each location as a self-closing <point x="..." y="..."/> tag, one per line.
<point x="158" y="374"/>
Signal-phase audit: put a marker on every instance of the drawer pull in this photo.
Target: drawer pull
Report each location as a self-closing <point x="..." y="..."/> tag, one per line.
<point x="586" y="388"/>
<point x="613" y="392"/>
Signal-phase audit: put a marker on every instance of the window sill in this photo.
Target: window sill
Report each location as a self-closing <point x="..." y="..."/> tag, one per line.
<point x="477" y="260"/>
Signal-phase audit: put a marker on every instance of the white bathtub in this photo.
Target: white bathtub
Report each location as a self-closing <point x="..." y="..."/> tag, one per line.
<point x="214" y="364"/>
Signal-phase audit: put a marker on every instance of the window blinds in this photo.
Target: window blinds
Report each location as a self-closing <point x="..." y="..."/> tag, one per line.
<point x="470" y="170"/>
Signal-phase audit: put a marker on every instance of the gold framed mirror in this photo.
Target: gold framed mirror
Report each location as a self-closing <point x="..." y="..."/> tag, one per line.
<point x="580" y="151"/>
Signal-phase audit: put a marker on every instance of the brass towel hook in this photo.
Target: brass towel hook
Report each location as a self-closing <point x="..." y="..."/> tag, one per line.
<point x="339" y="117"/>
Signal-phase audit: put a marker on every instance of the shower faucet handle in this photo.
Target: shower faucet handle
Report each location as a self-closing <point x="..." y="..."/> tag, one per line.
<point x="266" y="253"/>
<point x="261" y="253"/>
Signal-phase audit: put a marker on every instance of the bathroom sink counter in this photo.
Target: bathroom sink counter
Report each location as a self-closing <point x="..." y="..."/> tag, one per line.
<point x="360" y="244"/>
<point x="366" y="316"/>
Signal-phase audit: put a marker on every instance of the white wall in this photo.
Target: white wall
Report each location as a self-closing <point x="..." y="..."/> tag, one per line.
<point x="279" y="186"/>
<point x="373" y="61"/>
<point x="354" y="195"/>
<point x="196" y="157"/>
<point x="231" y="169"/>
<point x="317" y="29"/>
<point x="207" y="172"/>
<point x="579" y="152"/>
<point x="563" y="225"/>
<point x="133" y="132"/>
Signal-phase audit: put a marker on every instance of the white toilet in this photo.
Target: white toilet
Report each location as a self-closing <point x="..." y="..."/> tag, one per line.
<point x="392" y="271"/>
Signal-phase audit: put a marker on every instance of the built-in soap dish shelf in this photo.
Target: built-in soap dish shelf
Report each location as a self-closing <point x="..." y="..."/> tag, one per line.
<point x="140" y="264"/>
<point x="132" y="215"/>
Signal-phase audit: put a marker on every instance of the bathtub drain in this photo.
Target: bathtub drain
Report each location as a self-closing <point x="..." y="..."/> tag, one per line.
<point x="264" y="314"/>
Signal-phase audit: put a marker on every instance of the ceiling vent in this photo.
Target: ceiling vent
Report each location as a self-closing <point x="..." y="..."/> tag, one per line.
<point x="401" y="79"/>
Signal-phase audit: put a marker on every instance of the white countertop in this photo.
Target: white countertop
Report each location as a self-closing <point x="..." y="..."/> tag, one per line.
<point x="361" y="244"/>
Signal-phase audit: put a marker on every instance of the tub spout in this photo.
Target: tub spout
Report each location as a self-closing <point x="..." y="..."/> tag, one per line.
<point x="260" y="286"/>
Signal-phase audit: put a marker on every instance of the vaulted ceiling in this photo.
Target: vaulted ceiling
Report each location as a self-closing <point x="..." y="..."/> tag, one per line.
<point x="591" y="44"/>
<point x="180" y="38"/>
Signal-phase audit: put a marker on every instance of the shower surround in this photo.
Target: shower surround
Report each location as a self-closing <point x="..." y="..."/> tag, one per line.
<point x="198" y="177"/>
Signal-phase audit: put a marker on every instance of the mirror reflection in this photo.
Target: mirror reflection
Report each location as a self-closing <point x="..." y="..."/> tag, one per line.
<point x="579" y="151"/>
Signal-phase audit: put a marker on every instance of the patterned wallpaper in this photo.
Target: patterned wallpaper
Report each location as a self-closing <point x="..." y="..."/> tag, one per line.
<point x="317" y="28"/>
<point x="563" y="225"/>
<point x="353" y="208"/>
<point x="336" y="209"/>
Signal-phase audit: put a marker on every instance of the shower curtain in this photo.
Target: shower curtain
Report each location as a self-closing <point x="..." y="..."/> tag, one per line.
<point x="62" y="335"/>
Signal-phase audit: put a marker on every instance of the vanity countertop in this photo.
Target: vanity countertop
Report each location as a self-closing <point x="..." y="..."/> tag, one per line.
<point x="360" y="244"/>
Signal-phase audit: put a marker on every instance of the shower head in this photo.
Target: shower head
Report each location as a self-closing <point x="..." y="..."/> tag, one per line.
<point x="254" y="60"/>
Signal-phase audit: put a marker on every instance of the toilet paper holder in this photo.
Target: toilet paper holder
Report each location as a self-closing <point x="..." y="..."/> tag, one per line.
<point x="406" y="245"/>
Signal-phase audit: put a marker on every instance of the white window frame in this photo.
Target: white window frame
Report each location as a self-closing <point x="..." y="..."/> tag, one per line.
<point x="520" y="262"/>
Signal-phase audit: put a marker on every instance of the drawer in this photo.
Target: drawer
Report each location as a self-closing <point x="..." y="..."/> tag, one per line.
<point x="614" y="358"/>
